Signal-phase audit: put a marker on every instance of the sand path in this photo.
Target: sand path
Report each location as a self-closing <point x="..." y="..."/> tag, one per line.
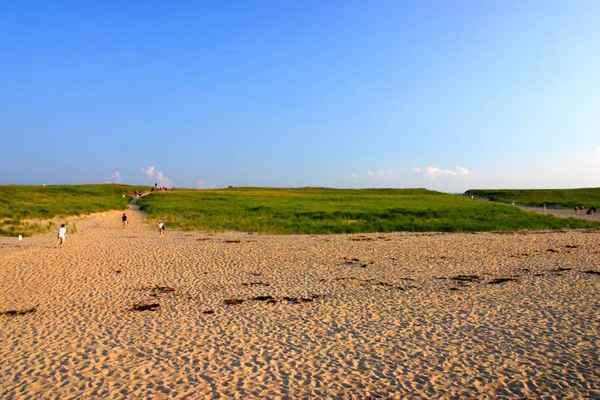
<point x="564" y="213"/>
<point x="261" y="316"/>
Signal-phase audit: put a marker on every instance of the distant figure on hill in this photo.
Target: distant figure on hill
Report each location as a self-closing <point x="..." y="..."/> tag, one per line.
<point x="592" y="210"/>
<point x="124" y="219"/>
<point x="544" y="206"/>
<point x="513" y="202"/>
<point x="62" y="235"/>
<point x="161" y="228"/>
<point x="575" y="209"/>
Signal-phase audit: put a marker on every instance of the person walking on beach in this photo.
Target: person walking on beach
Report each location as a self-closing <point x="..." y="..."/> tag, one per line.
<point x="124" y="219"/>
<point x="161" y="228"/>
<point x="62" y="235"/>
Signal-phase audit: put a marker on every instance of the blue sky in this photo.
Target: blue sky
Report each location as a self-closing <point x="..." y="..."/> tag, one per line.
<point x="446" y="95"/>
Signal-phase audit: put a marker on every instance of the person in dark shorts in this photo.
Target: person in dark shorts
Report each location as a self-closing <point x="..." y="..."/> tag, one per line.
<point x="161" y="228"/>
<point x="124" y="219"/>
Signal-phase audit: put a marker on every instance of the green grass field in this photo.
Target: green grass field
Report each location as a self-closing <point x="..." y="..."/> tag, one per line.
<point x="554" y="198"/>
<point x="319" y="210"/>
<point x="19" y="203"/>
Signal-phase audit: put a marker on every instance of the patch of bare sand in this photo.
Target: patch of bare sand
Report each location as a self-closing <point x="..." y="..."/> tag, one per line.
<point x="238" y="315"/>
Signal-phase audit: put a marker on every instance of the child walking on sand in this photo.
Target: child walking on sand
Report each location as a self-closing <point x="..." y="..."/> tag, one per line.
<point x="161" y="228"/>
<point x="62" y="235"/>
<point x="124" y="219"/>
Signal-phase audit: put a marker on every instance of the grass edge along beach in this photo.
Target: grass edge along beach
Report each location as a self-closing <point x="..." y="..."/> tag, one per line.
<point x="30" y="209"/>
<point x="330" y="211"/>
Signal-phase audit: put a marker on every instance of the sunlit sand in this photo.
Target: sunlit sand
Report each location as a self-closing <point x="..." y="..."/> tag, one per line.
<point x="127" y="314"/>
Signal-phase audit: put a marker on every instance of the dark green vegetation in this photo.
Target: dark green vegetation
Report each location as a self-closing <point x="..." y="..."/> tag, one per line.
<point x="554" y="198"/>
<point x="319" y="210"/>
<point x="19" y="203"/>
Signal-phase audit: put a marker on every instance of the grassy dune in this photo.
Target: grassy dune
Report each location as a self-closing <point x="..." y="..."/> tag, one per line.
<point x="319" y="210"/>
<point x="19" y="203"/>
<point x="554" y="198"/>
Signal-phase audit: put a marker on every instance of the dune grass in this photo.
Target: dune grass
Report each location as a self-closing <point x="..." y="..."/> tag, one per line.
<point x="320" y="210"/>
<point x="19" y="204"/>
<point x="554" y="198"/>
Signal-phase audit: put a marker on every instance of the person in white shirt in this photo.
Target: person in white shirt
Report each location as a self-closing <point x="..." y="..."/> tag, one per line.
<point x="161" y="228"/>
<point x="62" y="235"/>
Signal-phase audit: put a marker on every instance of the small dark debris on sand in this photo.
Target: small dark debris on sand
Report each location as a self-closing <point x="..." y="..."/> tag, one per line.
<point x="552" y="251"/>
<point x="453" y="289"/>
<point x="361" y="239"/>
<point x="591" y="272"/>
<point x="559" y="270"/>
<point x="19" y="312"/>
<point x="234" y="302"/>
<point x="298" y="300"/>
<point x="386" y="285"/>
<point x="293" y="300"/>
<point x="268" y="299"/>
<point x="346" y="278"/>
<point x="233" y="241"/>
<point x="118" y="271"/>
<point x="497" y="281"/>
<point x="145" y="307"/>
<point x="201" y="239"/>
<point x="208" y="312"/>
<point x="159" y="289"/>
<point x="355" y="262"/>
<point x="571" y="246"/>
<point x="256" y="284"/>
<point x="466" y="278"/>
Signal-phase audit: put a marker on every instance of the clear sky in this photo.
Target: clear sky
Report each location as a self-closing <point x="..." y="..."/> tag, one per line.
<point x="446" y="95"/>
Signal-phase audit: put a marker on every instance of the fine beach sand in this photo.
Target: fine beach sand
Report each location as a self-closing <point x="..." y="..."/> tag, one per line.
<point x="238" y="315"/>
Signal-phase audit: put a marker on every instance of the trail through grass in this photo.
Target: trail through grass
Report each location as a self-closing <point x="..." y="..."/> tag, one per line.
<point x="19" y="203"/>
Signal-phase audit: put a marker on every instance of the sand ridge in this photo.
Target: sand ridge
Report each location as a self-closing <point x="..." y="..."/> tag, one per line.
<point x="238" y="315"/>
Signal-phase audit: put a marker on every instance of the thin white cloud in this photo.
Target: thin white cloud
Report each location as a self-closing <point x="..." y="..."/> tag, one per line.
<point x="597" y="151"/>
<point x="382" y="174"/>
<point x="115" y="177"/>
<point x="416" y="169"/>
<point x="158" y="176"/>
<point x="163" y="180"/>
<point x="462" y="170"/>
<point x="435" y="173"/>
<point x="149" y="172"/>
<point x="354" y="176"/>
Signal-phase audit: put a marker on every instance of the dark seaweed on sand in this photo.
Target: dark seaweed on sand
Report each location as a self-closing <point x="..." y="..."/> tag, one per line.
<point x="19" y="312"/>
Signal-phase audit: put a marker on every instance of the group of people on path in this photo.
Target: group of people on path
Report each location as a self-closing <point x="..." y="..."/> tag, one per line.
<point x="62" y="231"/>
<point x="592" y="210"/>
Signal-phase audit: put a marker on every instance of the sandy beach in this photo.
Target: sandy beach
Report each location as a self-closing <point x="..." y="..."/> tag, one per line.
<point x="126" y="314"/>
